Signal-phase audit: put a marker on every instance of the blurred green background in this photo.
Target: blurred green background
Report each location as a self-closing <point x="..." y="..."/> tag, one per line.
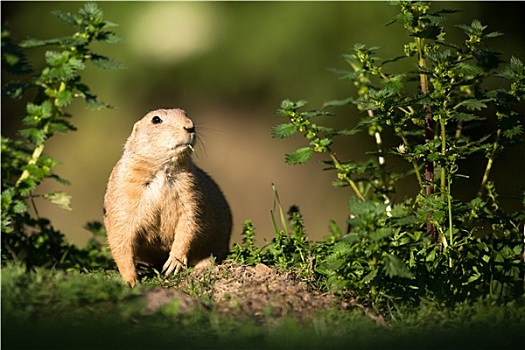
<point x="229" y="64"/>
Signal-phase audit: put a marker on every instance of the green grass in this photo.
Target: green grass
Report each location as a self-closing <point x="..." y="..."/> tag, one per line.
<point x="48" y="309"/>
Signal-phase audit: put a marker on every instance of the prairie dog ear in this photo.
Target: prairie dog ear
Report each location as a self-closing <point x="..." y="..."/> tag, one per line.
<point x="135" y="131"/>
<point x="133" y="134"/>
<point x="135" y="128"/>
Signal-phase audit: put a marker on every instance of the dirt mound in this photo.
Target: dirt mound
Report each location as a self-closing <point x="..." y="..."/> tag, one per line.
<point x="260" y="291"/>
<point x="256" y="292"/>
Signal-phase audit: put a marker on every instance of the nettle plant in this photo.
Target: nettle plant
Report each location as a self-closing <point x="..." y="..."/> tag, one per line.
<point x="28" y="237"/>
<point x="433" y="245"/>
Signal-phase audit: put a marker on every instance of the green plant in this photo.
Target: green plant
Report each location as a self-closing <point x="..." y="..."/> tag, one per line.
<point x="433" y="245"/>
<point x="289" y="248"/>
<point x="246" y="252"/>
<point x="25" y="237"/>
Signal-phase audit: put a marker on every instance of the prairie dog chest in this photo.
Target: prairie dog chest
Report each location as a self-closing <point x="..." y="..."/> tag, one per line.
<point x="162" y="190"/>
<point x="164" y="209"/>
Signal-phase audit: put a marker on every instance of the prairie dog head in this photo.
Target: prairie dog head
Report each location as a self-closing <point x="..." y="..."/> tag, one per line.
<point x="163" y="135"/>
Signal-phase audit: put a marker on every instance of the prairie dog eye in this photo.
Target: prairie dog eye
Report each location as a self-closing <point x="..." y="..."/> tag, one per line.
<point x="156" y="120"/>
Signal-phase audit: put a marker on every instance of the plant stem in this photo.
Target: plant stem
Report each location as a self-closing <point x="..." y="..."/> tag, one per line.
<point x="429" y="129"/>
<point x="351" y="182"/>
<point x="459" y="130"/>
<point x="490" y="162"/>
<point x="443" y="154"/>
<point x="379" y="141"/>
<point x="34" y="207"/>
<point x="382" y="161"/>
<point x="276" y="201"/>
<point x="37" y="152"/>
<point x="524" y="249"/>
<point x="414" y="164"/>
<point x="449" y="204"/>
<point x="429" y="122"/>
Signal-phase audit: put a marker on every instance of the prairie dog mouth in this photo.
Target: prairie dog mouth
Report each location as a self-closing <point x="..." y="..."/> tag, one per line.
<point x="184" y="146"/>
<point x="180" y="151"/>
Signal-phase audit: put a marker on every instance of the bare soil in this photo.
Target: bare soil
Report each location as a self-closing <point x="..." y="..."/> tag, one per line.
<point x="260" y="291"/>
<point x="256" y="292"/>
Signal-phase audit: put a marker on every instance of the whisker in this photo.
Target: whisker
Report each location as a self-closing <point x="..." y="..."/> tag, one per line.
<point x="199" y="145"/>
<point x="202" y="132"/>
<point x="202" y="126"/>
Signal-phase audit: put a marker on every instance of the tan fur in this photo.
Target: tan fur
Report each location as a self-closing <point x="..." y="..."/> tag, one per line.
<point x="160" y="208"/>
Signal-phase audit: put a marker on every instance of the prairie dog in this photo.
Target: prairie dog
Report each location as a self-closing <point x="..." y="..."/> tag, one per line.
<point x="160" y="209"/>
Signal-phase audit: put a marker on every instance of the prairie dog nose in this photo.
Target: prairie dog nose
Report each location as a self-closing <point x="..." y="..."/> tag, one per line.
<point x="190" y="129"/>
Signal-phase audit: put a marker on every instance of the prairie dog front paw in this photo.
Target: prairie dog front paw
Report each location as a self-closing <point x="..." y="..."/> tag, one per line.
<point x="174" y="264"/>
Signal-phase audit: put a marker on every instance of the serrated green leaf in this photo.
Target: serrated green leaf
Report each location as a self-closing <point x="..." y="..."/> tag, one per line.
<point x="105" y="63"/>
<point x="447" y="11"/>
<point x="94" y="104"/>
<point x="338" y="103"/>
<point x="61" y="199"/>
<point x="32" y="42"/>
<point x="282" y="131"/>
<point x="42" y="110"/>
<point x="48" y="161"/>
<point x="66" y="17"/>
<point x="395" y="267"/>
<point x="515" y="70"/>
<point x="395" y="84"/>
<point x="466" y="117"/>
<point x="314" y="113"/>
<point x="66" y="71"/>
<point x="475" y="28"/>
<point x="7" y="196"/>
<point x="76" y="64"/>
<point x="55" y="58"/>
<point x="473" y="104"/>
<point x="290" y="105"/>
<point x="354" y="75"/>
<point x="300" y="156"/>
<point x="91" y="11"/>
<point x="513" y="132"/>
<point x="31" y="120"/>
<point x="75" y="40"/>
<point x="109" y="38"/>
<point x="64" y="98"/>
<point x="9" y="59"/>
<point x="15" y="90"/>
<point x="60" y="180"/>
<point x="17" y="62"/>
<point x="342" y="248"/>
<point x="370" y="276"/>
<point x="494" y="34"/>
<point x="381" y="233"/>
<point x="37" y="113"/>
<point x="19" y="207"/>
<point x="61" y="126"/>
<point x="36" y="136"/>
<point x="516" y="65"/>
<point x="468" y="69"/>
<point x="109" y="24"/>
